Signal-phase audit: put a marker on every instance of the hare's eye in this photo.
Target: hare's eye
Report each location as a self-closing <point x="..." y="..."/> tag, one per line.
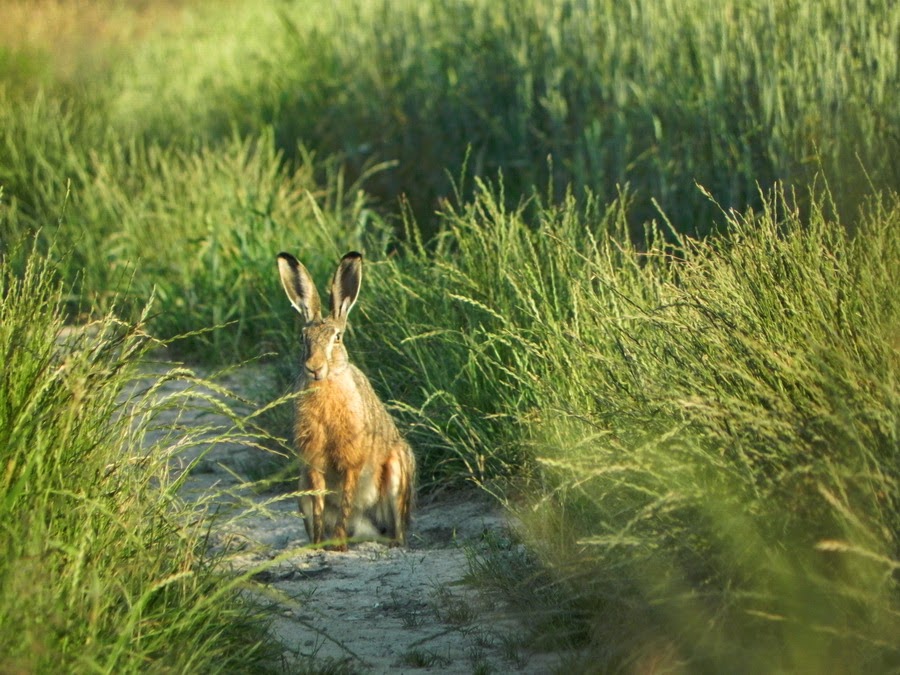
<point x="337" y="336"/>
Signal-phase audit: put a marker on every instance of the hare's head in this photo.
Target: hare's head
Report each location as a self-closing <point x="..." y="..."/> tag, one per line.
<point x="324" y="354"/>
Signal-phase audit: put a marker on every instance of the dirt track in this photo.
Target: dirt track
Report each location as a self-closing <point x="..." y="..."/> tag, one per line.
<point x="373" y="609"/>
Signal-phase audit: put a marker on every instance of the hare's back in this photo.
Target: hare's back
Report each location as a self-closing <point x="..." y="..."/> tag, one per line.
<point x="378" y="420"/>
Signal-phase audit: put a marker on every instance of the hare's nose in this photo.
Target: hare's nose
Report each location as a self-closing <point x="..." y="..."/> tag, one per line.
<point x="316" y="372"/>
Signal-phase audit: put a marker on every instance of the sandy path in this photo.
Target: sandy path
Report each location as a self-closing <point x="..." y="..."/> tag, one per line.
<point x="373" y="609"/>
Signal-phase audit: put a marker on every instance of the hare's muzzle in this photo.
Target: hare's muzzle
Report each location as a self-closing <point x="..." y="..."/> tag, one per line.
<point x="316" y="371"/>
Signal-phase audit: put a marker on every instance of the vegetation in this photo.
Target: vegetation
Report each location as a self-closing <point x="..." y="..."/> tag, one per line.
<point x="98" y="571"/>
<point x="729" y="95"/>
<point x="699" y="433"/>
<point x="716" y="429"/>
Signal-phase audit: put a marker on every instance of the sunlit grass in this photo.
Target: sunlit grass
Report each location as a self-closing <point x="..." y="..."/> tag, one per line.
<point x="714" y="427"/>
<point x="97" y="572"/>
<point x="71" y="42"/>
<point x="730" y="95"/>
<point x="700" y="435"/>
<point x="655" y="94"/>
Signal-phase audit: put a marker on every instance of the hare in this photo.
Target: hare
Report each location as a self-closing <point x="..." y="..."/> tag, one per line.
<point x="356" y="466"/>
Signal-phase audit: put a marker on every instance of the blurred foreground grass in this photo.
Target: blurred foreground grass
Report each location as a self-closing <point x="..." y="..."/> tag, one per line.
<point x="99" y="571"/>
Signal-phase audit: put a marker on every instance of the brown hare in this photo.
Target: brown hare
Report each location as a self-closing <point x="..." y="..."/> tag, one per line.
<point x="355" y="463"/>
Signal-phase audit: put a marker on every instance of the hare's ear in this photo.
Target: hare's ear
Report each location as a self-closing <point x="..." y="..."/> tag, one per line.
<point x="299" y="286"/>
<point x="345" y="286"/>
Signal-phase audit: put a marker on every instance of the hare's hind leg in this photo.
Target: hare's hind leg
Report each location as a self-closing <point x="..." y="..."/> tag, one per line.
<point x="397" y="492"/>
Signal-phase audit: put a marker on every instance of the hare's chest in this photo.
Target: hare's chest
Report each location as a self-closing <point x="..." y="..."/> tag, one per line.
<point x="331" y="418"/>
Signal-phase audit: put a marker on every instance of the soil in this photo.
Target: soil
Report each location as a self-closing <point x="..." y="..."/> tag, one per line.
<point x="373" y="609"/>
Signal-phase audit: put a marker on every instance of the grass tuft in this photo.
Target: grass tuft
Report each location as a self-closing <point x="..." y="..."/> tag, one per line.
<point x="714" y="428"/>
<point x="97" y="572"/>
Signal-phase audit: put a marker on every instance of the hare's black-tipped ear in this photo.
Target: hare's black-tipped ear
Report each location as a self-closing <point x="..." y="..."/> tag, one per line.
<point x="345" y="286"/>
<point x="299" y="286"/>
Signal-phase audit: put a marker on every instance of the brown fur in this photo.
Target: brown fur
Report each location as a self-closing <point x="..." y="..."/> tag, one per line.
<point x="356" y="465"/>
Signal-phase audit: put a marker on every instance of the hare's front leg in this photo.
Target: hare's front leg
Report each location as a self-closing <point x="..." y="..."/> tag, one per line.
<point x="348" y="501"/>
<point x="313" y="505"/>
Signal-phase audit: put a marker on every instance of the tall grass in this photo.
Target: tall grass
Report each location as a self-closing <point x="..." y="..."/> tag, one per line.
<point x="737" y="503"/>
<point x="66" y="44"/>
<point x="97" y="573"/>
<point x="439" y="315"/>
<point x="712" y="426"/>
<point x="655" y="94"/>
<point x="194" y="227"/>
<point x="199" y="137"/>
<point x="700" y="435"/>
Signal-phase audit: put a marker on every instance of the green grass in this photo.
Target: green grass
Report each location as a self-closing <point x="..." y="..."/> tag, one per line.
<point x="97" y="572"/>
<point x="203" y="138"/>
<point x="728" y="96"/>
<point x="196" y="227"/>
<point x="715" y="429"/>
<point x="655" y="94"/>
<point x="700" y="435"/>
<point x="701" y="439"/>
